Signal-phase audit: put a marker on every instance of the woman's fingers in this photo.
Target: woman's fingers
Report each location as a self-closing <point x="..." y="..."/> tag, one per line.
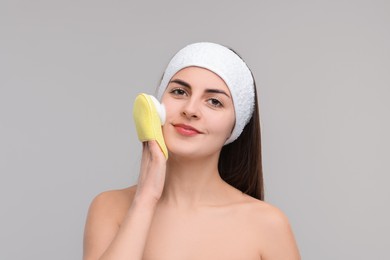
<point x="155" y="151"/>
<point x="152" y="174"/>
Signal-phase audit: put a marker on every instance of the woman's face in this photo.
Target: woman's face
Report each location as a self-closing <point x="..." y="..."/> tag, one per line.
<point x="199" y="113"/>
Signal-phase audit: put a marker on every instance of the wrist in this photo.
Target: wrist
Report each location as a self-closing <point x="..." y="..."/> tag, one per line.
<point x="144" y="203"/>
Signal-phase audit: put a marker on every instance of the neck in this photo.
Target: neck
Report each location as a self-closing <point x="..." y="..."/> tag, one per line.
<point x="193" y="182"/>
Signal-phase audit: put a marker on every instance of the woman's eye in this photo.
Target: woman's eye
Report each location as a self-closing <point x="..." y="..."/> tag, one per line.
<point x="178" y="91"/>
<point x="215" y="102"/>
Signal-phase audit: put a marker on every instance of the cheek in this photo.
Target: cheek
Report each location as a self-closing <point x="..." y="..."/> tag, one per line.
<point x="223" y="125"/>
<point x="230" y="125"/>
<point x="169" y="110"/>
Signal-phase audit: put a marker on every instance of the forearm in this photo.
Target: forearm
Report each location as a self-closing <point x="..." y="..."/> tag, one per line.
<point x="129" y="243"/>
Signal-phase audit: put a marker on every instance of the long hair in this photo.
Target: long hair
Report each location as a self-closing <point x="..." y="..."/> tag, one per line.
<point x="240" y="162"/>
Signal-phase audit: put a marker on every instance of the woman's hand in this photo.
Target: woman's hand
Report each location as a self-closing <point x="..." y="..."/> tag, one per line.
<point x="152" y="174"/>
<point x="104" y="238"/>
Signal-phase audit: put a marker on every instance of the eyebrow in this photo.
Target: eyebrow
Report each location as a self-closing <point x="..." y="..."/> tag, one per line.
<point x="209" y="90"/>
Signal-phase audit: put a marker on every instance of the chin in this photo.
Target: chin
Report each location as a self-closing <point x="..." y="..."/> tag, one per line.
<point x="191" y="149"/>
<point x="182" y="149"/>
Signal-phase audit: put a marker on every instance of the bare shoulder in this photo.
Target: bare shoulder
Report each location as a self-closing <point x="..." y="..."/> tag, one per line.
<point x="105" y="215"/>
<point x="276" y="240"/>
<point x="110" y="207"/>
<point x="113" y="201"/>
<point x="257" y="213"/>
<point x="266" y="215"/>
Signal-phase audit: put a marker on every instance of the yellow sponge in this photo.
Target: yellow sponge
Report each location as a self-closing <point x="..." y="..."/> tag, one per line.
<point x="149" y="116"/>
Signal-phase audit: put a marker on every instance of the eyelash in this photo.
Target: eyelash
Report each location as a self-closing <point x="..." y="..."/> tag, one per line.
<point x="215" y="105"/>
<point x="176" y="90"/>
<point x="181" y="92"/>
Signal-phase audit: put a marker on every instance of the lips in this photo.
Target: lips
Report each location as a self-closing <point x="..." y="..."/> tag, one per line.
<point x="186" y="130"/>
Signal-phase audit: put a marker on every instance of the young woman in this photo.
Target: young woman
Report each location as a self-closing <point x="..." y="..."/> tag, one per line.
<point x="206" y="200"/>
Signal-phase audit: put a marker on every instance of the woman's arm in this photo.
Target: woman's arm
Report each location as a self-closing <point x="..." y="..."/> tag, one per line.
<point x="104" y="237"/>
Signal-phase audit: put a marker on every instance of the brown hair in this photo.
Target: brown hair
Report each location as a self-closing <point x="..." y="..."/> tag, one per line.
<point x="240" y="162"/>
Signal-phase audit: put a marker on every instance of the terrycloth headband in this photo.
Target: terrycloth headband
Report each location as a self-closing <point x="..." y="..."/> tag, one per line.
<point x="226" y="64"/>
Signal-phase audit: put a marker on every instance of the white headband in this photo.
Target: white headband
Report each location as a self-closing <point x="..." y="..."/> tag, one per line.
<point x="226" y="64"/>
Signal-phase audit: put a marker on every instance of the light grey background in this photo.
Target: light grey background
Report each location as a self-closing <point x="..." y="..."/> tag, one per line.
<point x="70" y="70"/>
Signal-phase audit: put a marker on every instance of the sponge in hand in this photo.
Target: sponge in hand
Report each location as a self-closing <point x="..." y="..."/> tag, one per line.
<point x="149" y="116"/>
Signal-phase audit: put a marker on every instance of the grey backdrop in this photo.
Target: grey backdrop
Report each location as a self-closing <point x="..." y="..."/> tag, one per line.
<point x="70" y="70"/>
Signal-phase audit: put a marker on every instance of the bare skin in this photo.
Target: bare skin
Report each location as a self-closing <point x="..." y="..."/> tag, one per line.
<point x="181" y="208"/>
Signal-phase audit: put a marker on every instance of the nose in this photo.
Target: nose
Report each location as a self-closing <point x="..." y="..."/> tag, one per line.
<point x="191" y="110"/>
